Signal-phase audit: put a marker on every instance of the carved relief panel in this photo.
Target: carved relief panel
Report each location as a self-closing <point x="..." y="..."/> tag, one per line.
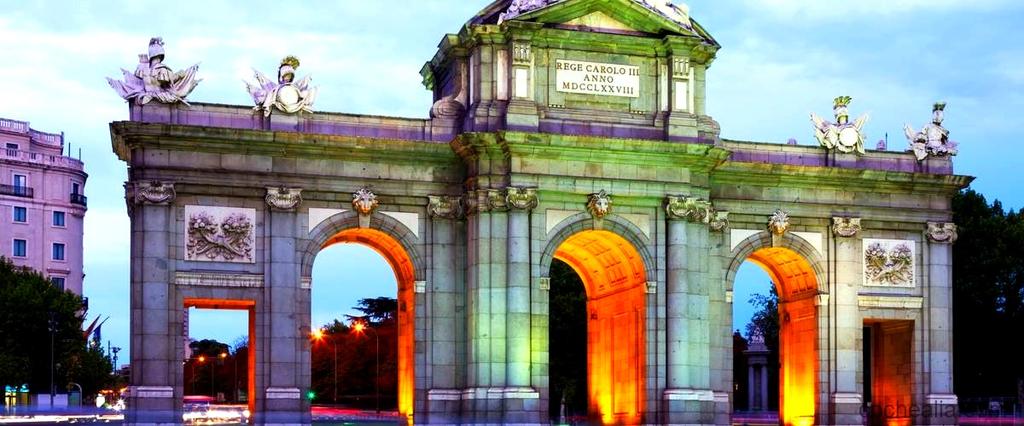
<point x="220" y="234"/>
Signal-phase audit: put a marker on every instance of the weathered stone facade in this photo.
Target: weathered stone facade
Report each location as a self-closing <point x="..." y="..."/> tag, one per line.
<point x="472" y="205"/>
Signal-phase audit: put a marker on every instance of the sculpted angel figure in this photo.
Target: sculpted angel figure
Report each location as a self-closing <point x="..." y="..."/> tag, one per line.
<point x="285" y="94"/>
<point x="153" y="79"/>
<point x="933" y="139"/>
<point x="680" y="13"/>
<point x="840" y="135"/>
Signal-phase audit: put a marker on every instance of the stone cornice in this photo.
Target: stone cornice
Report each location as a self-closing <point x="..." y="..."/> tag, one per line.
<point x="696" y="157"/>
<point x="127" y="136"/>
<point x="759" y="174"/>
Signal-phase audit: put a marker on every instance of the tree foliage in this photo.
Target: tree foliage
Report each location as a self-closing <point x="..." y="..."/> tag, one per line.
<point x="28" y="303"/>
<point x="988" y="297"/>
<point x="352" y="356"/>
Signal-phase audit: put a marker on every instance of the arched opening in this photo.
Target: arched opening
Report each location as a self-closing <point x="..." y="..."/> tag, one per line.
<point x="797" y="287"/>
<point x="364" y="333"/>
<point x="614" y="279"/>
<point x="755" y="346"/>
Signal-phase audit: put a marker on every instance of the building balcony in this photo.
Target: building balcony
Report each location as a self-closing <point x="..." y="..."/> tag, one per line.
<point x="17" y="191"/>
<point x="40" y="158"/>
<point x="79" y="199"/>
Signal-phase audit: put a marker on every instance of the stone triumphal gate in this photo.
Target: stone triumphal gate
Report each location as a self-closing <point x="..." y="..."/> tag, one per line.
<point x="572" y="130"/>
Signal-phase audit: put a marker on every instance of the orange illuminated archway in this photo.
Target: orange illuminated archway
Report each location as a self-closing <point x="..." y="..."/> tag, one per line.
<point x="613" y="275"/>
<point x="797" y="287"/>
<point x="401" y="263"/>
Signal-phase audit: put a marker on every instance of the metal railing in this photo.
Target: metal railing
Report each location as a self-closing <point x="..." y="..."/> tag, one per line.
<point x="79" y="199"/>
<point x="17" y="191"/>
<point x="40" y="158"/>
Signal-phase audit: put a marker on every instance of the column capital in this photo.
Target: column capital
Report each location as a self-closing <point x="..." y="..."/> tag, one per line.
<point x="521" y="198"/>
<point x="846" y="227"/>
<point x="942" y="232"/>
<point x="691" y="209"/>
<point x="719" y="221"/>
<point x="477" y="202"/>
<point x="445" y="207"/>
<point x="281" y="198"/>
<point x="151" y="192"/>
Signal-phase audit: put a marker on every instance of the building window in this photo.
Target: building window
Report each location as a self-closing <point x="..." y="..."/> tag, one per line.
<point x="20" y="181"/>
<point x="58" y="219"/>
<point x="57" y="282"/>
<point x="58" y="251"/>
<point x="20" y="248"/>
<point x="12" y="149"/>
<point x="75" y="188"/>
<point x="20" y="214"/>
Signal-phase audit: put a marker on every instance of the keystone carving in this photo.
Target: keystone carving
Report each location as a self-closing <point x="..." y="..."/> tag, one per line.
<point x="283" y="198"/>
<point x="445" y="207"/>
<point x="846" y="227"/>
<point x="939" y="232"/>
<point x="364" y="202"/>
<point x="154" y="193"/>
<point x="691" y="209"/>
<point x="599" y="204"/>
<point x="778" y="223"/>
<point x="521" y="198"/>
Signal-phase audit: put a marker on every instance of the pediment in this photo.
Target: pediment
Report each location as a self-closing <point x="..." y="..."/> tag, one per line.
<point x="599" y="20"/>
<point x="637" y="16"/>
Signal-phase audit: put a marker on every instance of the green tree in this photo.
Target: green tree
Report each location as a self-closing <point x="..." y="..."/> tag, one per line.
<point x="29" y="303"/>
<point x="377" y="310"/>
<point x="988" y="288"/>
<point x="766" y="322"/>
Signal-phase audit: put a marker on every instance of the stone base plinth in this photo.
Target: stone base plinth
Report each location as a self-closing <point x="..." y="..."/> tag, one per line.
<point x="690" y="407"/>
<point x="501" y="405"/>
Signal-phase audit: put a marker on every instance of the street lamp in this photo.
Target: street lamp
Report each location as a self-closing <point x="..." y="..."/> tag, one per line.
<point x="53" y="330"/>
<point x="319" y="335"/>
<point x="360" y="327"/>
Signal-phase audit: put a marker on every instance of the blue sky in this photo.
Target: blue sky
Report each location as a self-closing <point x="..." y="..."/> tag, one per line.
<point x="781" y="60"/>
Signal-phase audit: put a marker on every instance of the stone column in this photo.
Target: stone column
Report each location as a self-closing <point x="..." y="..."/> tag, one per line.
<point x="442" y="405"/>
<point x="750" y="388"/>
<point x="846" y="397"/>
<point x="521" y="399"/>
<point x="940" y="397"/>
<point x="478" y="307"/>
<point x="676" y="300"/>
<point x="284" y="336"/>
<point x="688" y="396"/>
<point x="155" y="390"/>
<point x="497" y="296"/>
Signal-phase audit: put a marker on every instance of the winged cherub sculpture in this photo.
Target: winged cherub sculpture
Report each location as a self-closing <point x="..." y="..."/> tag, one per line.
<point x="286" y="95"/>
<point x="153" y="79"/>
<point x="841" y="135"/>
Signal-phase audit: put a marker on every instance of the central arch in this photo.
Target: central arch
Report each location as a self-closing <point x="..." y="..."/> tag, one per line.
<point x="396" y="244"/>
<point x="614" y="278"/>
<point x="795" y="277"/>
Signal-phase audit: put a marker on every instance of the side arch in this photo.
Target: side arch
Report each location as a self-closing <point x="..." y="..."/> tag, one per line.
<point x="798" y="272"/>
<point x="747" y="248"/>
<point x="399" y="246"/>
<point x="321" y="236"/>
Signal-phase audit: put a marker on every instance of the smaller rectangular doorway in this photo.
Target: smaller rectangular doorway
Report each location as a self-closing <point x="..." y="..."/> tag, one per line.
<point x="888" y="371"/>
<point x="223" y="376"/>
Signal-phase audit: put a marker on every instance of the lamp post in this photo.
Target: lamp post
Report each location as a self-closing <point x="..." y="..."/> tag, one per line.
<point x="334" y="342"/>
<point x="53" y="330"/>
<point x="361" y="328"/>
<point x="213" y="369"/>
